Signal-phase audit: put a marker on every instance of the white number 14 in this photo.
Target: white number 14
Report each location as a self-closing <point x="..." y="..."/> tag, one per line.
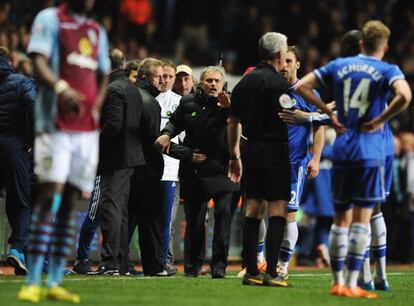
<point x="359" y="97"/>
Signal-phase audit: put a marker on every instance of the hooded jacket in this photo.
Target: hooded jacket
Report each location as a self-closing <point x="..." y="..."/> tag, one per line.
<point x="17" y="98"/>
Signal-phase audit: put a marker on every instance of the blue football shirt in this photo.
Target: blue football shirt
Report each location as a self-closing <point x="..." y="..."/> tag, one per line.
<point x="361" y="87"/>
<point x="298" y="135"/>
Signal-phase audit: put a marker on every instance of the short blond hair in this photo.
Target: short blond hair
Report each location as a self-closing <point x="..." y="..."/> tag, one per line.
<point x="146" y="64"/>
<point x="375" y="35"/>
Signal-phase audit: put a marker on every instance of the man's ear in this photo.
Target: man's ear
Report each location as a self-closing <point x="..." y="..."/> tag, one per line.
<point x="144" y="77"/>
<point x="297" y="65"/>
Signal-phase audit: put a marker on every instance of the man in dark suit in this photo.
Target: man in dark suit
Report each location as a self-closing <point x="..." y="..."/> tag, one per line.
<point x="120" y="153"/>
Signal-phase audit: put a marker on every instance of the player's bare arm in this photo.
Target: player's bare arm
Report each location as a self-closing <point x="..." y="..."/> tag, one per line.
<point x="71" y="99"/>
<point x="233" y="138"/>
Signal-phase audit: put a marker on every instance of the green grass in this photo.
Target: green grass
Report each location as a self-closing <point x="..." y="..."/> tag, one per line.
<point x="310" y="288"/>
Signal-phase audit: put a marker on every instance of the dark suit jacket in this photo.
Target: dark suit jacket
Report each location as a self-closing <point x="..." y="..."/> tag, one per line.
<point x="150" y="129"/>
<point x="120" y="139"/>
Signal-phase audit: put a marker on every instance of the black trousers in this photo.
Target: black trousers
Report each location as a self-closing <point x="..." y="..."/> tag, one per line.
<point x="187" y="245"/>
<point x="196" y="213"/>
<point x="15" y="171"/>
<point x="115" y="190"/>
<point x="145" y="210"/>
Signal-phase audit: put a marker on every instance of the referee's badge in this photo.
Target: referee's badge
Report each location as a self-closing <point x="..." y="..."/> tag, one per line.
<point x="285" y="101"/>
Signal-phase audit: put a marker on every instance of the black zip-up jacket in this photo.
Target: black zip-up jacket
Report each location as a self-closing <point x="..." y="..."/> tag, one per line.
<point x="150" y="128"/>
<point x="120" y="140"/>
<point x="205" y="126"/>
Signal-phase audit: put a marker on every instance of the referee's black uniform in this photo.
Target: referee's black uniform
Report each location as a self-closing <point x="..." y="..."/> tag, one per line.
<point x="266" y="167"/>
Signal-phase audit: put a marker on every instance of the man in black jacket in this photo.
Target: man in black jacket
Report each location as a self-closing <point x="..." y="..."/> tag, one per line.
<point x="203" y="174"/>
<point x="120" y="153"/>
<point x="256" y="100"/>
<point x="145" y="199"/>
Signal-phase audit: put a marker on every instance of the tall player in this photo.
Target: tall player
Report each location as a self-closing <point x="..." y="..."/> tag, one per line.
<point x="378" y="244"/>
<point x="68" y="50"/>
<point x="361" y="86"/>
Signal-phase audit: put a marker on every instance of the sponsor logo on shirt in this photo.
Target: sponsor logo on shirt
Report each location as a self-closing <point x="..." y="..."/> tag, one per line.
<point x="83" y="59"/>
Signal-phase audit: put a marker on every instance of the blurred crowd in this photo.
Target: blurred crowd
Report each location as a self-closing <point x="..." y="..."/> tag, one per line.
<point x="199" y="33"/>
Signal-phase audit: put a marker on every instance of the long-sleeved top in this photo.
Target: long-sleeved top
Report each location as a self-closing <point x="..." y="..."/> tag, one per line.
<point x="120" y="139"/>
<point x="17" y="98"/>
<point x="150" y="128"/>
<point x="205" y="125"/>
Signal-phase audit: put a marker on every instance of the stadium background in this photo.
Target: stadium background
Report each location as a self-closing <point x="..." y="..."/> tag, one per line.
<point x="197" y="32"/>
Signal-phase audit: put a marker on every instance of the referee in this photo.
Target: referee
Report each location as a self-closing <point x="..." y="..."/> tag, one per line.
<point x="255" y="103"/>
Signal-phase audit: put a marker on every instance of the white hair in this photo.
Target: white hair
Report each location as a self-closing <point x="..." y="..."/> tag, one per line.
<point x="270" y="44"/>
<point x="213" y="68"/>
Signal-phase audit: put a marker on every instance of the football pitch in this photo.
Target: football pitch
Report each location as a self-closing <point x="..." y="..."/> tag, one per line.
<point x="309" y="287"/>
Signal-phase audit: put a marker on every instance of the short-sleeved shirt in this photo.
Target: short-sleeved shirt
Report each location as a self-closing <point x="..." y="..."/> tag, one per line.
<point x="255" y="101"/>
<point x="45" y="40"/>
<point x="361" y="87"/>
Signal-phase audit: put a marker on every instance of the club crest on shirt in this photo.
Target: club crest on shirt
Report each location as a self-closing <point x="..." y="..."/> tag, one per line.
<point x="85" y="47"/>
<point x="47" y="163"/>
<point x="285" y="101"/>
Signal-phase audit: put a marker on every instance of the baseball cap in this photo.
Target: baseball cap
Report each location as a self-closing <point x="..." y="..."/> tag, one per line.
<point x="185" y="69"/>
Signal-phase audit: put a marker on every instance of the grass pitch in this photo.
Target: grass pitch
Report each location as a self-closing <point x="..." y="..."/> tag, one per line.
<point x="310" y="287"/>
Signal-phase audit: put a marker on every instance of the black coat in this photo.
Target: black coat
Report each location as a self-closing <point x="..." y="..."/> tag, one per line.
<point x="120" y="140"/>
<point x="205" y="126"/>
<point x="150" y="129"/>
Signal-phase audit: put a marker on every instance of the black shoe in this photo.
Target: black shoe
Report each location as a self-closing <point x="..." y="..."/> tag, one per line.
<point x="105" y="271"/>
<point x="218" y="273"/>
<point x="171" y="270"/>
<point x="82" y="267"/>
<point x="192" y="271"/>
<point x="252" y="280"/>
<point x="275" y="281"/>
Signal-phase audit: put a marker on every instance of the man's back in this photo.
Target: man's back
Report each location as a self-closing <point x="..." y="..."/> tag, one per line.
<point x="255" y="100"/>
<point x="120" y="144"/>
<point x="361" y="88"/>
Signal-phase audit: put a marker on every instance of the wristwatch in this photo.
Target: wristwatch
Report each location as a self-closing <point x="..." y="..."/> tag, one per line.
<point x="234" y="157"/>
